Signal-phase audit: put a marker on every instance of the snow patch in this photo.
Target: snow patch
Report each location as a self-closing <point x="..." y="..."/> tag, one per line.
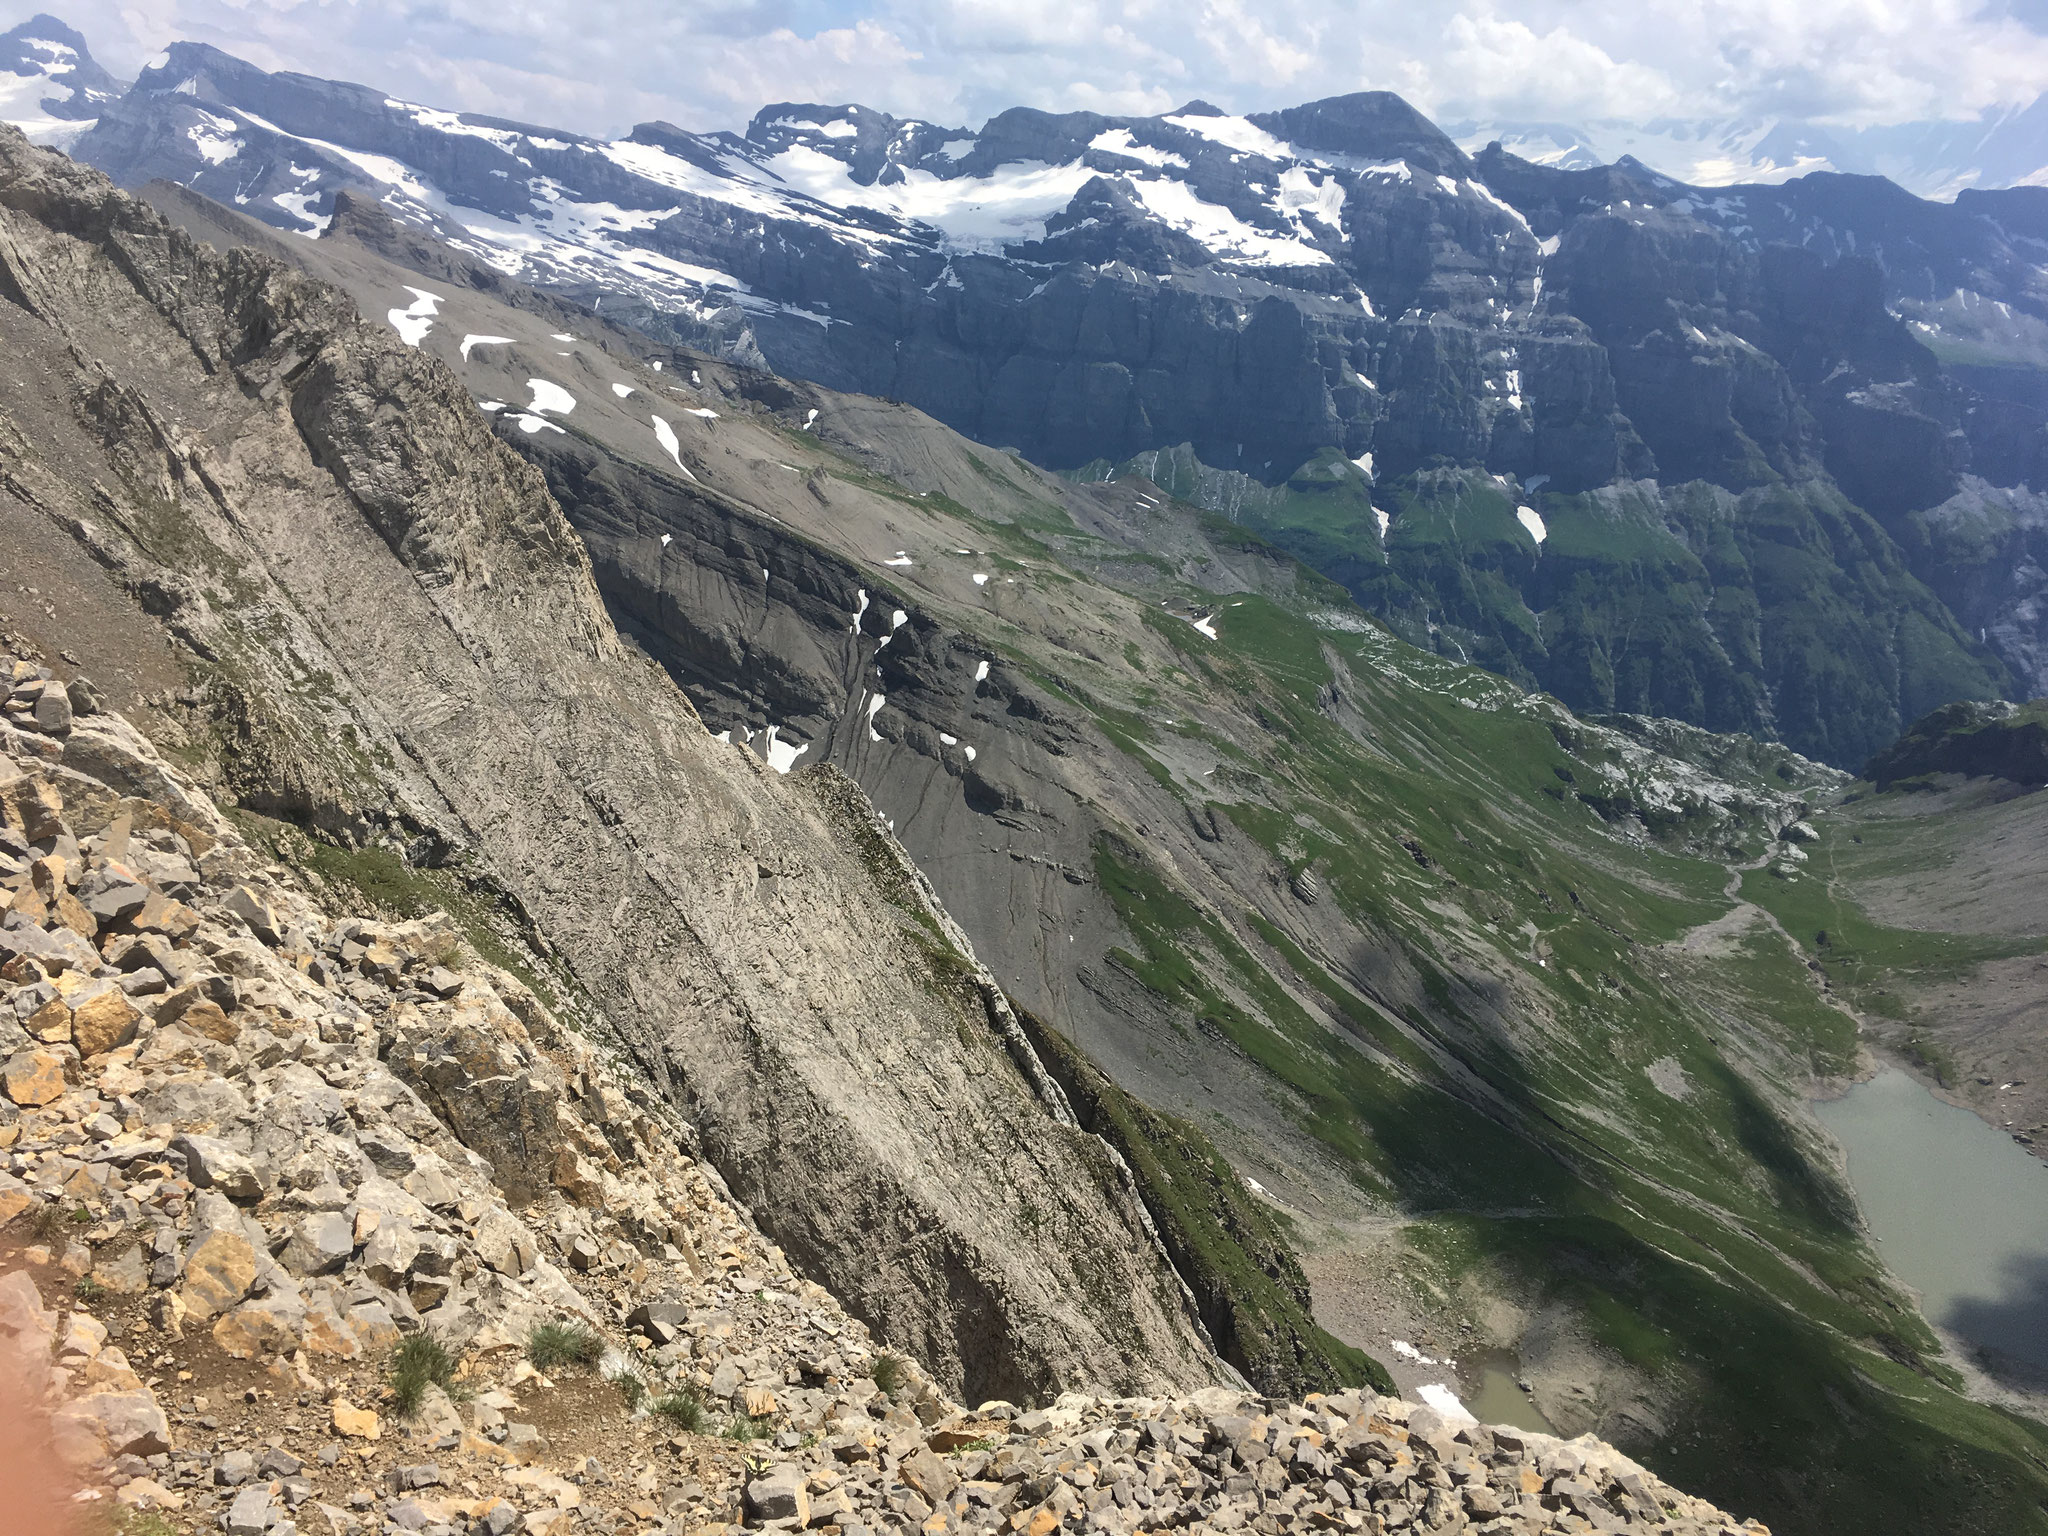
<point x="1118" y="141"/>
<point x="875" y="708"/>
<point x="981" y="672"/>
<point x="666" y="436"/>
<point x="901" y="559"/>
<point x="413" y="322"/>
<point x="981" y="578"/>
<point x="782" y="755"/>
<point x="550" y="397"/>
<point x="1445" y="1402"/>
<point x="622" y="390"/>
<point x="859" y="613"/>
<point x="1205" y="623"/>
<point x="1238" y="134"/>
<point x="1532" y="520"/>
<point x="483" y="341"/>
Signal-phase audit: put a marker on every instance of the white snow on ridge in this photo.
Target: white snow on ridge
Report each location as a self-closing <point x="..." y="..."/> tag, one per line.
<point x="452" y="123"/>
<point x="974" y="213"/>
<point x="1118" y="141"/>
<point x="1216" y="227"/>
<point x="1239" y="134"/>
<point x="1532" y="520"/>
<point x="214" y="138"/>
<point x="1303" y="192"/>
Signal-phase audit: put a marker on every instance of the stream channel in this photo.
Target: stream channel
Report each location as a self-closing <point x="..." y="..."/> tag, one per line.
<point x="1960" y="1212"/>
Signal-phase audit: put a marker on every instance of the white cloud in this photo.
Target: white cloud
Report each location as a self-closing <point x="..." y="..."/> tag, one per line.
<point x="599" y="65"/>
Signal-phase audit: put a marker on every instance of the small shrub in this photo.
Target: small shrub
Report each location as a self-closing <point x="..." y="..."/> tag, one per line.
<point x="418" y="1363"/>
<point x="88" y="1289"/>
<point x="743" y="1429"/>
<point x="552" y="1345"/>
<point x="888" y="1374"/>
<point x="682" y="1408"/>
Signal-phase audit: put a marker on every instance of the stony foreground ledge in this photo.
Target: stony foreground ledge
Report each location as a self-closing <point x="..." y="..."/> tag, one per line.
<point x="251" y="1146"/>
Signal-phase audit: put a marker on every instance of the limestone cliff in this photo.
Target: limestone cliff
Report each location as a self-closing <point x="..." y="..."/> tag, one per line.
<point x="393" y="631"/>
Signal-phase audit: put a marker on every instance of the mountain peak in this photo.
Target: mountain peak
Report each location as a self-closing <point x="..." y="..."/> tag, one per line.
<point x="1371" y="125"/>
<point x="46" y="67"/>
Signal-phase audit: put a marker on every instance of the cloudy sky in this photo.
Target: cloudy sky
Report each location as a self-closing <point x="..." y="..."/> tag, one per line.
<point x="600" y="65"/>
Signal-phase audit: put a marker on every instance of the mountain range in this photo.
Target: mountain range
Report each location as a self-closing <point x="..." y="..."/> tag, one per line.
<point x="1068" y="876"/>
<point x="1555" y="421"/>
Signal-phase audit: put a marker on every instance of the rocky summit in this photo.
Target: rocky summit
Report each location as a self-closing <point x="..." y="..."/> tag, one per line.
<point x="257" y="1150"/>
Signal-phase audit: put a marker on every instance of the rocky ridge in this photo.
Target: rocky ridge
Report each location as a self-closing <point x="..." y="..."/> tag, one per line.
<point x="252" y="1145"/>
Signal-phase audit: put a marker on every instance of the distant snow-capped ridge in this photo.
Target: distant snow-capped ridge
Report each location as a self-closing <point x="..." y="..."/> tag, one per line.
<point x="50" y="87"/>
<point x="2007" y="147"/>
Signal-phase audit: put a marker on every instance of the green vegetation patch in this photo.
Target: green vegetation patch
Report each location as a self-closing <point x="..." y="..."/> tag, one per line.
<point x="1248" y="1285"/>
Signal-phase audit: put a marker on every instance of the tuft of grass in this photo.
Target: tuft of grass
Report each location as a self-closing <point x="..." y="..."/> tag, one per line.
<point x="889" y="1374"/>
<point x="552" y="1345"/>
<point x="631" y="1384"/>
<point x="418" y="1363"/>
<point x="51" y="1223"/>
<point x="742" y="1429"/>
<point x="683" y="1408"/>
<point x="88" y="1289"/>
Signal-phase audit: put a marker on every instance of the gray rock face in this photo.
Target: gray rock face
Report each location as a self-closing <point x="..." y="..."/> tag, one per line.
<point x="868" y="1113"/>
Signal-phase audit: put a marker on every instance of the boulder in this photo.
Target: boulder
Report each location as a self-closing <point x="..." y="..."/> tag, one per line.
<point x="354" y="1423"/>
<point x="218" y="1273"/>
<point x="390" y="1254"/>
<point x="250" y="1514"/>
<point x="103" y="1022"/>
<point x="320" y="1244"/>
<point x="124" y="1423"/>
<point x="257" y="913"/>
<point x="34" y="1078"/>
<point x="53" y="710"/>
<point x="261" y="1330"/>
<point x="213" y="1164"/>
<point x="779" y="1494"/>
